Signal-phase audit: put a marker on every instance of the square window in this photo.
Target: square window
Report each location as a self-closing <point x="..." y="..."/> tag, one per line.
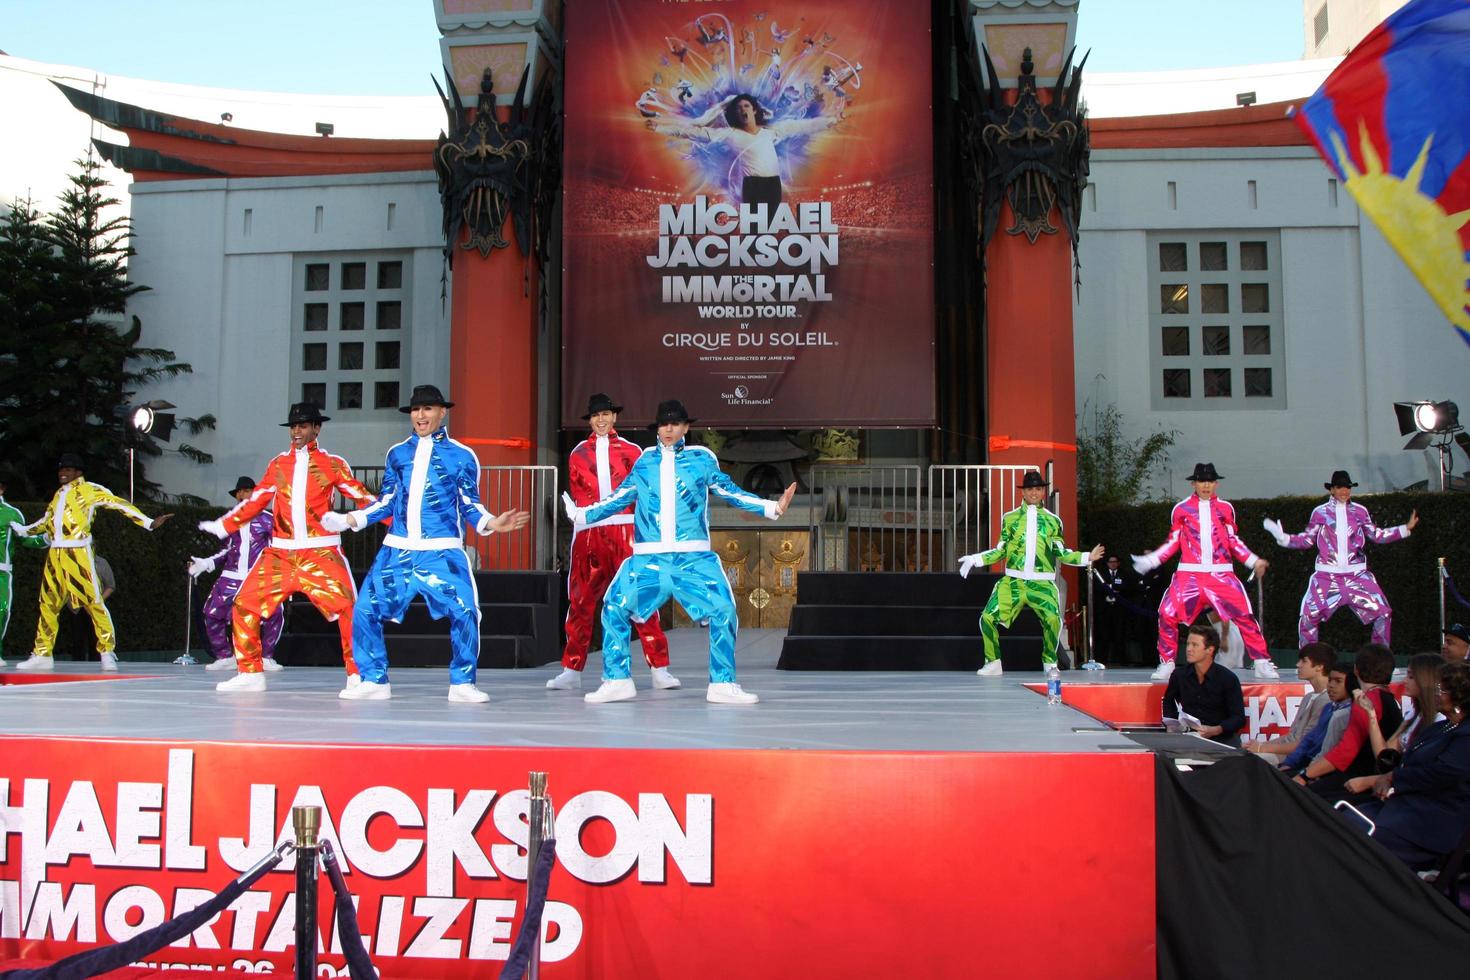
<point x="314" y="357"/>
<point x="1213" y="257"/>
<point x="1176" y="382"/>
<point x="314" y="316"/>
<point x="1176" y="341"/>
<point x="318" y="277"/>
<point x="352" y="316"/>
<point x="385" y="394"/>
<point x="1173" y="257"/>
<point x="1215" y="341"/>
<point x="1215" y="297"/>
<point x="390" y="315"/>
<point x="1174" y="298"/>
<point x="1255" y="297"/>
<point x="1253" y="256"/>
<point x="390" y="275"/>
<point x="354" y="275"/>
<point x="349" y="394"/>
<point x="386" y="356"/>
<point x="1258" y="382"/>
<point x="349" y="357"/>
<point x="1255" y="339"/>
<point x="1217" y="382"/>
<point x="314" y="394"/>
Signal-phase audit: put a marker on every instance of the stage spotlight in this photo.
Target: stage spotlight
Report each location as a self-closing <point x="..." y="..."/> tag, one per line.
<point x="1432" y="424"/>
<point x="150" y="419"/>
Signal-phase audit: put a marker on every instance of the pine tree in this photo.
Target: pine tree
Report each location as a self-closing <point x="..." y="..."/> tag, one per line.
<point x="72" y="364"/>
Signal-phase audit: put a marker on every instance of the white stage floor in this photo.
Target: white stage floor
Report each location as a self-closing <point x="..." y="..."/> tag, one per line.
<point x="828" y="711"/>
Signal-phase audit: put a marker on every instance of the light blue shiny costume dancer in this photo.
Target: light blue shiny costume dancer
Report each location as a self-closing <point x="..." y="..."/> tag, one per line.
<point x="669" y="487"/>
<point x="430" y="489"/>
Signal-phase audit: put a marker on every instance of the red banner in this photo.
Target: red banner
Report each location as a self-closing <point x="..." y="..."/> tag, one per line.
<point x="748" y="217"/>
<point x="670" y="863"/>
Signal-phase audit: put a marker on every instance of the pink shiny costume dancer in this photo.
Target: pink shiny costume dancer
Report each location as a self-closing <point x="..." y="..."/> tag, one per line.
<point x="1339" y="529"/>
<point x="1202" y="531"/>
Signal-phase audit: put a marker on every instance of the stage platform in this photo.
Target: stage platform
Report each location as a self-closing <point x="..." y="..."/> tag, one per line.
<point x="850" y="819"/>
<point x="834" y="711"/>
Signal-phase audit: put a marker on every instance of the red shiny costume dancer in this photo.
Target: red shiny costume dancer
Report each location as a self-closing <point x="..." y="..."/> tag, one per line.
<point x="597" y="466"/>
<point x="303" y="556"/>
<point x="1202" y="532"/>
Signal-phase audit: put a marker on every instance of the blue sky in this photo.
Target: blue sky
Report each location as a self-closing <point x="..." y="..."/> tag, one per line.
<point x="391" y="47"/>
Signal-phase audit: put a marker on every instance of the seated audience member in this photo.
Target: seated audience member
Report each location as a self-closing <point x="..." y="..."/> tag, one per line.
<point x="1209" y="692"/>
<point x="1342" y="684"/>
<point x="1312" y="666"/>
<point x="1421" y="686"/>
<point x="1354" y="756"/>
<point x="1456" y="644"/>
<point x="1423" y="807"/>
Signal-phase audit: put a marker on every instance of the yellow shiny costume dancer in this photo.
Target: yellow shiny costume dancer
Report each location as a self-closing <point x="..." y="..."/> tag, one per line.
<point x="71" y="575"/>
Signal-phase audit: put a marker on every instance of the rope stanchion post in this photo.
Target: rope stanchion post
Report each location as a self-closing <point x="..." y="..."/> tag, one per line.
<point x="1443" y="573"/>
<point x="187" y="660"/>
<point x="306" y="821"/>
<point x="540" y="830"/>
<point x="1089" y="624"/>
<point x="1261" y="605"/>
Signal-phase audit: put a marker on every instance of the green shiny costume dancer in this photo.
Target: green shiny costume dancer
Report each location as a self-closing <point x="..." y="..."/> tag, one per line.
<point x="8" y="539"/>
<point x="1031" y="546"/>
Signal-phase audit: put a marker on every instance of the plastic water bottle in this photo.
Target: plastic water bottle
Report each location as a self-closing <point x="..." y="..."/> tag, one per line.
<point x="1053" y="685"/>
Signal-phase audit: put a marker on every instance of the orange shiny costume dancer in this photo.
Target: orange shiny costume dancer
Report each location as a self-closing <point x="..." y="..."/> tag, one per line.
<point x="303" y="556"/>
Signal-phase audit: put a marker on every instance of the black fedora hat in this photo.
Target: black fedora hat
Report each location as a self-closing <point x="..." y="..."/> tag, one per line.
<point x="600" y="403"/>
<point x="1204" y="473"/>
<point x="305" y="412"/>
<point x="425" y="395"/>
<point x="670" y="411"/>
<point x="70" y="460"/>
<point x="1340" y="478"/>
<point x="244" y="483"/>
<point x="1032" y="479"/>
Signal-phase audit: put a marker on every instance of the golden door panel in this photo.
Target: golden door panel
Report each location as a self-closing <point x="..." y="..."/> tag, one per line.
<point x="762" y="568"/>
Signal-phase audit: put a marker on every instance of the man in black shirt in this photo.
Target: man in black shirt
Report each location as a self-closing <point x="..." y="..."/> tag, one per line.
<point x="1208" y="692"/>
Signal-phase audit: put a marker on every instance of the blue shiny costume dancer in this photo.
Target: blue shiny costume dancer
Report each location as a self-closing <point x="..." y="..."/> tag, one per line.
<point x="669" y="487"/>
<point x="430" y="488"/>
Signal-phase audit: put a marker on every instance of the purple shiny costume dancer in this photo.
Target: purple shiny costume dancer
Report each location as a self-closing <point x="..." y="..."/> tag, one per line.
<point x="1339" y="529"/>
<point x="240" y="551"/>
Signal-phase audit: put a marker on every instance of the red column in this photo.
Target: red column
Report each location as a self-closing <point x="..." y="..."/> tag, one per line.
<point x="492" y="349"/>
<point x="1030" y="386"/>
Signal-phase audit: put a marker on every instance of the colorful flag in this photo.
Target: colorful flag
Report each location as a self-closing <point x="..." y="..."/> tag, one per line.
<point x="1394" y="121"/>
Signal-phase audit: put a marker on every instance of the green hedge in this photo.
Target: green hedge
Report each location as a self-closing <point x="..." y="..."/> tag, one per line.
<point x="148" y="608"/>
<point x="1406" y="569"/>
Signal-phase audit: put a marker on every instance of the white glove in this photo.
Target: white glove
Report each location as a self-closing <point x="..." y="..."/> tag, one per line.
<point x="1274" y="527"/>
<point x="214" y="527"/>
<point x="336" y="523"/>
<point x="574" y="513"/>
<point x="967" y="563"/>
<point x="198" y="566"/>
<point x="1142" y="564"/>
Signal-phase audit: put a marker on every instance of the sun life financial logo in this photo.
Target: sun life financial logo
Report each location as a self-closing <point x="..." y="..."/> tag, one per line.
<point x="741" y="391"/>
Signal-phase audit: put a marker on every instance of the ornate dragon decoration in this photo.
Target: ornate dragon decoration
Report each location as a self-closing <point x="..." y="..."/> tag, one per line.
<point x="1032" y="154"/>
<point x="491" y="170"/>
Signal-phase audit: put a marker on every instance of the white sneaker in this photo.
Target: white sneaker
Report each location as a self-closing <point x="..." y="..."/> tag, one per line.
<point x="109" y="661"/>
<point x="665" y="681"/>
<point x="991" y="669"/>
<point x="242" y="684"/>
<point x="466" y="694"/>
<point x="621" y="690"/>
<point x="1265" y="668"/>
<point x="567" y="680"/>
<point x="353" y="680"/>
<point x="269" y="663"/>
<point x="729" y="694"/>
<point x="1162" y="671"/>
<point x="221" y="663"/>
<point x="366" y="691"/>
<point x="34" y="662"/>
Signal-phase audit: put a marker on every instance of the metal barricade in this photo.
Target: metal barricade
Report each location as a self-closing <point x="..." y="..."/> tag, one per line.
<point x="964" y="507"/>
<point x="866" y="518"/>
<point x="502" y="488"/>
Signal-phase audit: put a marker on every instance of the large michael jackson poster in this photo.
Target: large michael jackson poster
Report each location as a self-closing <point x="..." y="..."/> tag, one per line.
<point x="748" y="216"/>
